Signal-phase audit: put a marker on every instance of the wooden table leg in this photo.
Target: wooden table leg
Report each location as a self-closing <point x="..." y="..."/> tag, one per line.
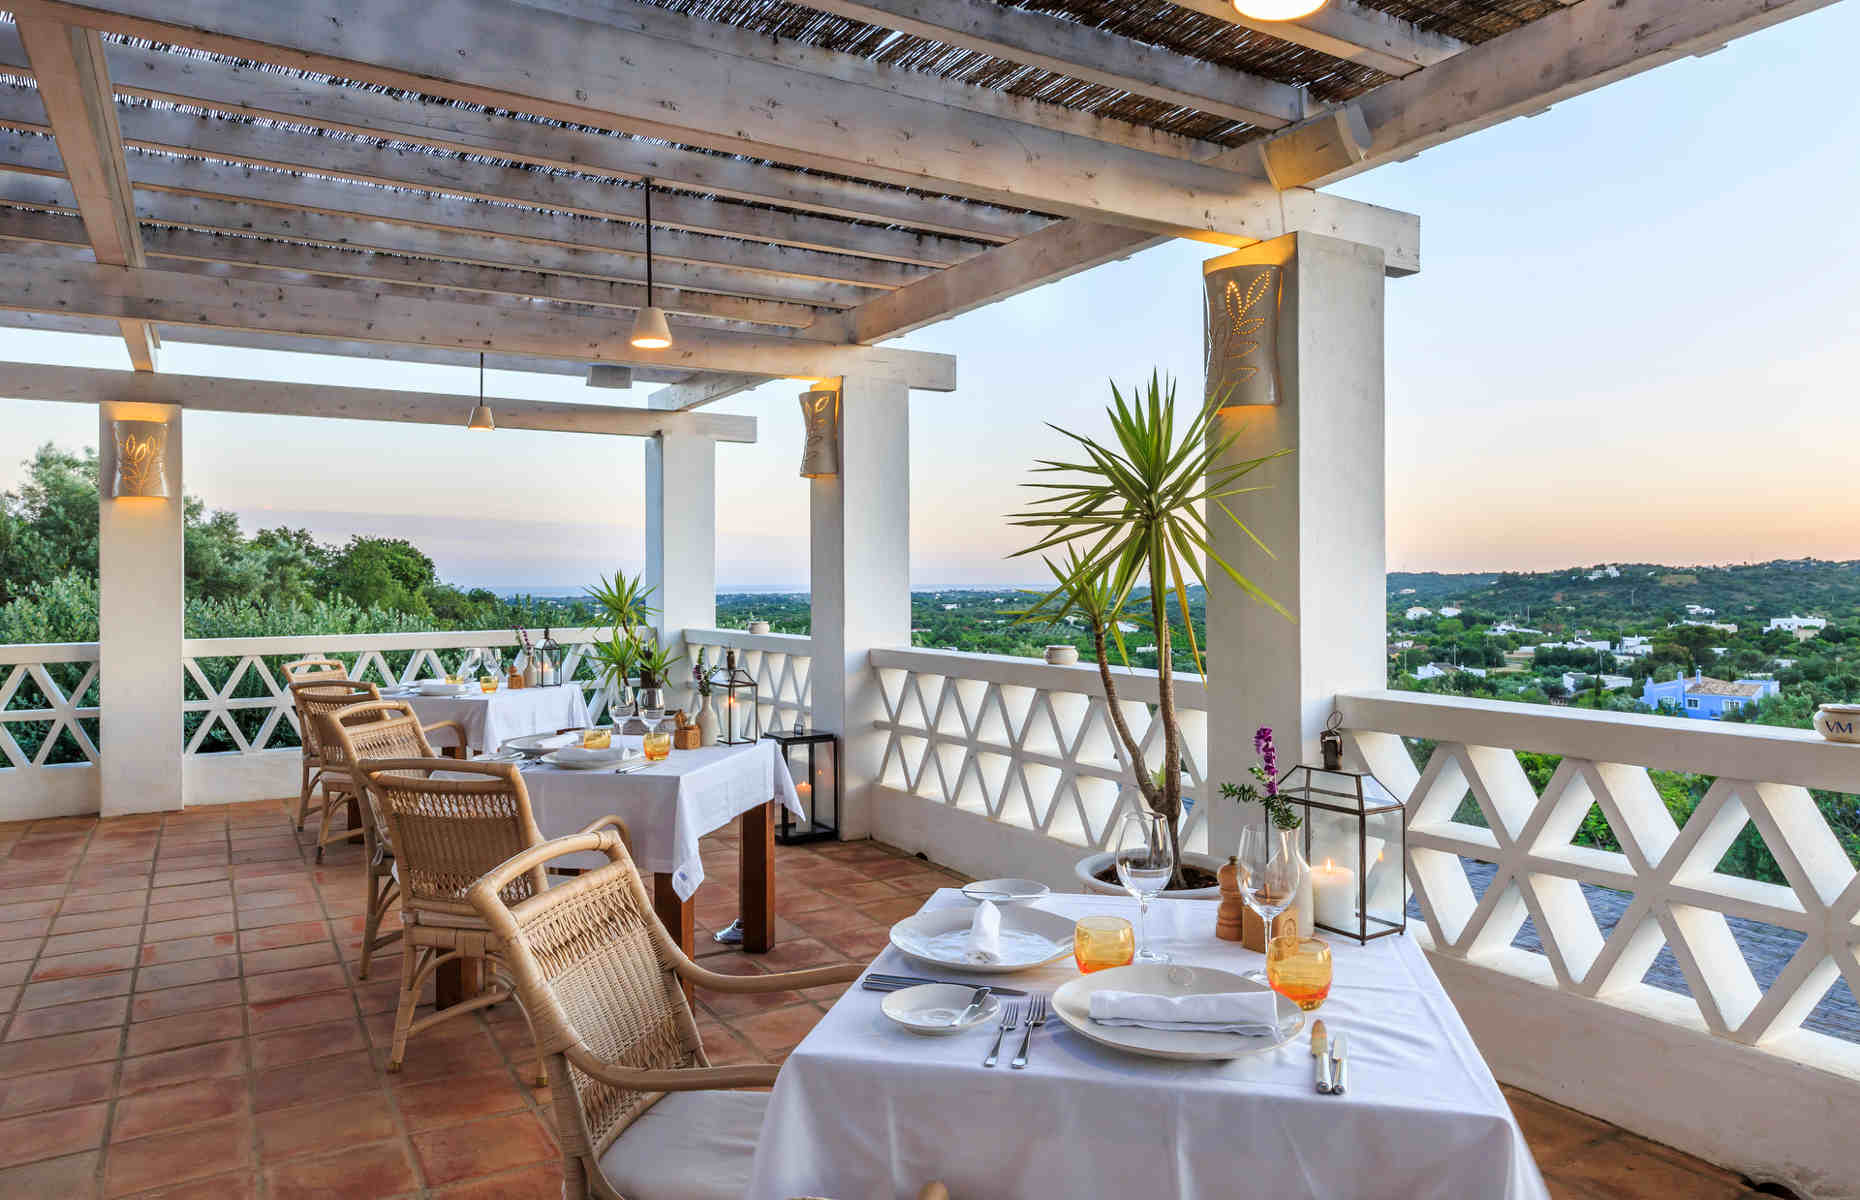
<point x="457" y="981"/>
<point x="757" y="873"/>
<point x="675" y="915"/>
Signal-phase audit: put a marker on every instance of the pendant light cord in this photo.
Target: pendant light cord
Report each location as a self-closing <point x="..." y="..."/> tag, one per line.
<point x="648" y="183"/>
<point x="481" y="377"/>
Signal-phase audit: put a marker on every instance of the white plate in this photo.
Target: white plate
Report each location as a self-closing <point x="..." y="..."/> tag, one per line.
<point x="930" y="1008"/>
<point x="1072" y="1004"/>
<point x="532" y="743"/>
<point x="1007" y="891"/>
<point x="503" y="756"/>
<point x="439" y="687"/>
<point x="577" y="763"/>
<point x="1030" y="937"/>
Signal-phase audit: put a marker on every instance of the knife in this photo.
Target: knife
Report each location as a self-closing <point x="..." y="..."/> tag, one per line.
<point x="976" y="1003"/>
<point x="1320" y="1053"/>
<point x="1338" y="1063"/>
<point x="876" y="982"/>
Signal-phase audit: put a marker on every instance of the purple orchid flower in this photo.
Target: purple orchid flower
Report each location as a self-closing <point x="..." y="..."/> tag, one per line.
<point x="1268" y="758"/>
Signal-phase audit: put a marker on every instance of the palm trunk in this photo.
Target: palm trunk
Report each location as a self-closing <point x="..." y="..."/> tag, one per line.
<point x="1171" y="808"/>
<point x="1135" y="752"/>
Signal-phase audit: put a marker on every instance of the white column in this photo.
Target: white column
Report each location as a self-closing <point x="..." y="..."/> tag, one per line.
<point x="861" y="567"/>
<point x="681" y="536"/>
<point x="1322" y="516"/>
<point x="141" y="597"/>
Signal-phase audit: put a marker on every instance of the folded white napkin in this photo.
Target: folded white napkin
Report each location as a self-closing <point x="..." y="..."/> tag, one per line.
<point x="560" y="740"/>
<point x="985" y="935"/>
<point x="1253" y="1013"/>
<point x="585" y="755"/>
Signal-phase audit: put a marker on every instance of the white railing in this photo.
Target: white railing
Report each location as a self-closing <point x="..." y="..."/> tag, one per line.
<point x="48" y="729"/>
<point x="236" y="685"/>
<point x="780" y="663"/>
<point x="1680" y="900"/>
<point x="1027" y="746"/>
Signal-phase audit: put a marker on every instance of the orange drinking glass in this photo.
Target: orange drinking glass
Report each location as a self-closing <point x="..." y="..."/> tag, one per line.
<point x="487" y="683"/>
<point x="1100" y="942"/>
<point x="1298" y="968"/>
<point x="658" y="746"/>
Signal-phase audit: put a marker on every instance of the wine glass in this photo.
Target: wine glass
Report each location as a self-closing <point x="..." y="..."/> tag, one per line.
<point x="1144" y="865"/>
<point x="1271" y="870"/>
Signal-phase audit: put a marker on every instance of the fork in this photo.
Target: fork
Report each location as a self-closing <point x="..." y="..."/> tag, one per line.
<point x="1010" y="1018"/>
<point x="1037" y="1011"/>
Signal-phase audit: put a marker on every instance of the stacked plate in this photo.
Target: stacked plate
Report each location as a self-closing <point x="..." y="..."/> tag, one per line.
<point x="580" y="758"/>
<point x="1030" y="937"/>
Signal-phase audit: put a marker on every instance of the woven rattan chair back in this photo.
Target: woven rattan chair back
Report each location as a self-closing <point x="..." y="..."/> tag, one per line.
<point x="372" y="729"/>
<point x="590" y="962"/>
<point x="303" y="670"/>
<point x="317" y="697"/>
<point x="450" y="822"/>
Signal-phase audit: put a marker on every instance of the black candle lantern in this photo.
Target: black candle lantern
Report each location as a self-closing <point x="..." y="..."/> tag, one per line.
<point x="813" y="761"/>
<point x="1356" y="840"/>
<point x="740" y="717"/>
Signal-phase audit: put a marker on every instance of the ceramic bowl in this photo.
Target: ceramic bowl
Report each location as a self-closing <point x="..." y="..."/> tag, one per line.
<point x="932" y="1008"/>
<point x="1838" y="722"/>
<point x="1006" y="891"/>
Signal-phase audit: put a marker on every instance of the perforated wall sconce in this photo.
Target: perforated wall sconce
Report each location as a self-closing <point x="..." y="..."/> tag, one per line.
<point x="141" y="452"/>
<point x="820" y="409"/>
<point x="1240" y="333"/>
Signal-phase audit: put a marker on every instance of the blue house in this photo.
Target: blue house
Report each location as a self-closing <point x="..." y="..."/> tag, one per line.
<point x="1704" y="698"/>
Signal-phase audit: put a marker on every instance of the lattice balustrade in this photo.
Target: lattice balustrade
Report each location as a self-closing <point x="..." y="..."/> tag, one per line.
<point x="1472" y="802"/>
<point x="780" y="663"/>
<point x="48" y="705"/>
<point x="1031" y="745"/>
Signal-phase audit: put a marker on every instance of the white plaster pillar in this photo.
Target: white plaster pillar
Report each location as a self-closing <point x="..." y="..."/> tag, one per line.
<point x="142" y="593"/>
<point x="1323" y="516"/>
<point x="681" y="537"/>
<point x="861" y="571"/>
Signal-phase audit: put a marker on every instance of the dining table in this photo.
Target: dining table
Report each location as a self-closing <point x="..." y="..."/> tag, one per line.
<point x="668" y="806"/>
<point x="492" y="718"/>
<point x="864" y="1108"/>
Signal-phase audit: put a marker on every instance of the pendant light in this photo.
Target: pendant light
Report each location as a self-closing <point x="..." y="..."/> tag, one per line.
<point x="650" y="332"/>
<point x="481" y="415"/>
<point x="1276" y="10"/>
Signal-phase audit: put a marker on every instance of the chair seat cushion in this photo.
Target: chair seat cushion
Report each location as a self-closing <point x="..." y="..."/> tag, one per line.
<point x="688" y="1146"/>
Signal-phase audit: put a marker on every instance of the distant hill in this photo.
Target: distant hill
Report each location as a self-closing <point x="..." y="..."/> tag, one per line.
<point x="1643" y="591"/>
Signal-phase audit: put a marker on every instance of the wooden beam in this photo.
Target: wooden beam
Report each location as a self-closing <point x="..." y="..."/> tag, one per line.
<point x="74" y="86"/>
<point x="1350" y="31"/>
<point x="89" y="290"/>
<point x="199" y="393"/>
<point x="1564" y="54"/>
<point x="677" y="84"/>
<point x="1081" y="51"/>
<point x="1068" y="247"/>
<point x="167" y="247"/>
<point x="270" y="95"/>
<point x="700" y="390"/>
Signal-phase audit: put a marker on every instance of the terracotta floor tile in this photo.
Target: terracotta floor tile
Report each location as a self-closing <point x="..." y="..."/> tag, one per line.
<point x="311" y="1041"/>
<point x="187" y="973"/>
<point x="461" y="1098"/>
<point x="182" y="1066"/>
<point x="84" y="902"/>
<point x="732" y="1005"/>
<point x="235" y="1185"/>
<point x="540" y="1182"/>
<point x="37" y="927"/>
<point x="108" y="918"/>
<point x="73" y="1177"/>
<point x="45" y="1054"/>
<point x="68" y="991"/>
<point x="835" y="920"/>
<point x="320" y="1128"/>
<point x="301" y="982"/>
<point x="174" y="1107"/>
<point x="188" y="927"/>
<point x="187" y="949"/>
<point x="1553" y="1131"/>
<point x="300" y="1010"/>
<point x="779" y="1030"/>
<point x="169" y="1001"/>
<point x="51" y="1134"/>
<point x="164" y="1159"/>
<point x="180" y="910"/>
<point x="323" y="1080"/>
<point x="1629" y="1168"/>
<point x="188" y="1029"/>
<point x="93" y="962"/>
<point x="20" y="949"/>
<point x="27" y="911"/>
<point x="68" y="1018"/>
<point x="92" y="939"/>
<point x="56" y="1089"/>
<point x="887" y="913"/>
<point x="276" y="936"/>
<point x="381" y="1169"/>
<point x="196" y="875"/>
<point x="458" y="1152"/>
<point x="289" y="957"/>
<point x="189" y="891"/>
<point x="861" y="892"/>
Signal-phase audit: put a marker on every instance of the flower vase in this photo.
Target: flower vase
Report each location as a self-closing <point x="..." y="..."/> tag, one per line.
<point x="706" y="723"/>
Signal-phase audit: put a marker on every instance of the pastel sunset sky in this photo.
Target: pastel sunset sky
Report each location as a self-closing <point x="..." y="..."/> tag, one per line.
<point x="1635" y="337"/>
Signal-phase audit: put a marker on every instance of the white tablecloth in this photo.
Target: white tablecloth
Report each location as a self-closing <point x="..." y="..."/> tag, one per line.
<point x="491" y="718"/>
<point x="865" y="1109"/>
<point x="667" y="807"/>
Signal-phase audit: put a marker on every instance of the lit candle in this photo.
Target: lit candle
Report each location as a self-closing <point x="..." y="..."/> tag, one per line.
<point x="804" y="789"/>
<point x="1301" y="906"/>
<point x="1334" y="890"/>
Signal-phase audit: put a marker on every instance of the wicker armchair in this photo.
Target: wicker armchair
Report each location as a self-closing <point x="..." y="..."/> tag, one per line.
<point x="601" y="981"/>
<point x="303" y="670"/>
<point x="376" y="729"/>
<point x="311" y="697"/>
<point x="449" y="822"/>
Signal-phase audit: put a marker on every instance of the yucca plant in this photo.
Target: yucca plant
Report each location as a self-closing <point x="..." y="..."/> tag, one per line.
<point x="1134" y="513"/>
<point x="622" y="602"/>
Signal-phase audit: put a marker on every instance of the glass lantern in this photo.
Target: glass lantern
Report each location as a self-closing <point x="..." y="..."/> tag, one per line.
<point x="813" y="762"/>
<point x="1356" y="842"/>
<point x="739" y="716"/>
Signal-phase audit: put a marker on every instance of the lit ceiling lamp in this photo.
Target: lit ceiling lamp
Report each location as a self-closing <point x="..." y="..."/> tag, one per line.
<point x="650" y="332"/>
<point x="481" y="415"/>
<point x="1276" y="10"/>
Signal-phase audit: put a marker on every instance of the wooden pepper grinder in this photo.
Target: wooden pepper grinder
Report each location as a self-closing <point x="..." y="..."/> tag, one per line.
<point x="1237" y="922"/>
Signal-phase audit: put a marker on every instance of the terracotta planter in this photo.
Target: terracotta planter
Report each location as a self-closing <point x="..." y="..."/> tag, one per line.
<point x="1087" y="868"/>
